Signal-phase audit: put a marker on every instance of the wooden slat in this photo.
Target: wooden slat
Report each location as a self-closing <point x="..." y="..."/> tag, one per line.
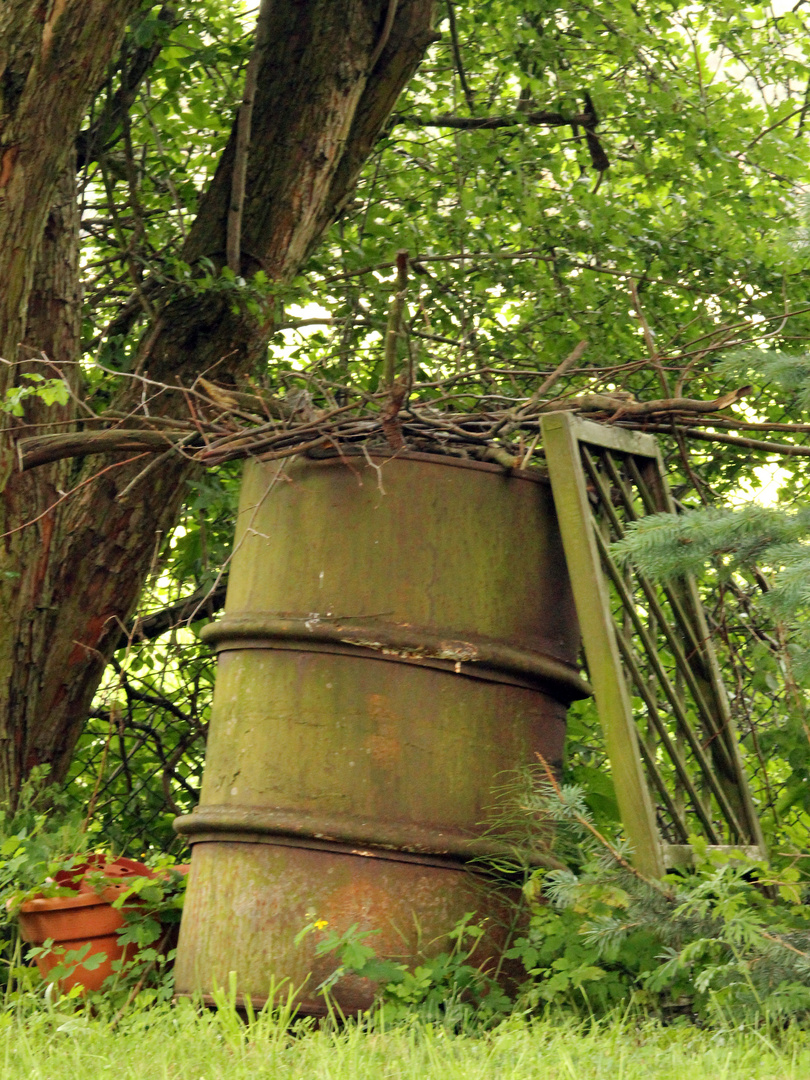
<point x="681" y="856"/>
<point x="713" y="723"/>
<point x="671" y="694"/>
<point x="704" y="662"/>
<point x="626" y="442"/>
<point x="663" y="791"/>
<point x="672" y="751"/>
<point x="561" y="447"/>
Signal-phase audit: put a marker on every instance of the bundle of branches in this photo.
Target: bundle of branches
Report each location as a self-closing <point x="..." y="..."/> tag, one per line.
<point x="224" y="424"/>
<point x="458" y="414"/>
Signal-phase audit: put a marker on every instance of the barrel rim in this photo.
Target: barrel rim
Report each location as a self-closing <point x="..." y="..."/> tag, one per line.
<point x="335" y="457"/>
<point x="223" y="822"/>
<point x="399" y="642"/>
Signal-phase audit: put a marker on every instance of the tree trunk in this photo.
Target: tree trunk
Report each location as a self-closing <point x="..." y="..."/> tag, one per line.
<point x="52" y="59"/>
<point x="72" y="578"/>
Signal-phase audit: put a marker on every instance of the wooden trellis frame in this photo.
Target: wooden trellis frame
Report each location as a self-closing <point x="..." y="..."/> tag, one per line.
<point x="681" y="773"/>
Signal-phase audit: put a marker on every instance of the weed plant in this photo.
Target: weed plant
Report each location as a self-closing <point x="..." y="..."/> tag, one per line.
<point x="725" y="945"/>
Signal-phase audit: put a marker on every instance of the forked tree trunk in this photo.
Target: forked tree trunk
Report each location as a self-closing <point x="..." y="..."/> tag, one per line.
<point x="70" y="580"/>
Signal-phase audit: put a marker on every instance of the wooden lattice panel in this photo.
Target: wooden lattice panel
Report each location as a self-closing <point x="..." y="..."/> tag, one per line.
<point x="659" y="694"/>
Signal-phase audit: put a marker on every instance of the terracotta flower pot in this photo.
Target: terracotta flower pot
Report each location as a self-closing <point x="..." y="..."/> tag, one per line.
<point x="84" y="918"/>
<point x="73" y="922"/>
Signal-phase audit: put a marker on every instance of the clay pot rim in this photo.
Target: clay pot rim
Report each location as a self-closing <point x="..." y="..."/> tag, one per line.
<point x="88" y="898"/>
<point x="78" y="900"/>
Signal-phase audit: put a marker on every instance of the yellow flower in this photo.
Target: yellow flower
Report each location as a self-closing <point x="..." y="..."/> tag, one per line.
<point x="319" y="924"/>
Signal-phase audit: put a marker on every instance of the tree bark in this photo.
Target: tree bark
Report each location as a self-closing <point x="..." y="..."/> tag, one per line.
<point x="52" y="59"/>
<point x="30" y="555"/>
<point x="328" y="80"/>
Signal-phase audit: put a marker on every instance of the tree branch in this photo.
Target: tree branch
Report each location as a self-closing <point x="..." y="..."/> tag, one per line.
<point x="385" y="33"/>
<point x="41" y="449"/>
<point x="201" y="604"/>
<point x="395" y="320"/>
<point x="622" y="406"/>
<point x="588" y="119"/>
<point x="462" y="77"/>
<point x="599" y="158"/>
<point x="233" y="253"/>
<point x="98" y="136"/>
<point x="787" y="449"/>
<point x="488" y="123"/>
<point x="547" y="383"/>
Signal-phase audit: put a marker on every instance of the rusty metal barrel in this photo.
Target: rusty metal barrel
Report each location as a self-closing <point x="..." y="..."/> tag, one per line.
<point x="398" y="634"/>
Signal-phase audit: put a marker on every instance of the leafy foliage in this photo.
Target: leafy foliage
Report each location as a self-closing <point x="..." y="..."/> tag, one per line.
<point x="50" y="391"/>
<point x="40" y="839"/>
<point x="761" y="552"/>
<point x="725" y="943"/>
<point x="520" y="252"/>
<point x="36" y="837"/>
<point x="729" y="941"/>
<point x="445" y="988"/>
<point x="491" y="173"/>
<point x="522" y="245"/>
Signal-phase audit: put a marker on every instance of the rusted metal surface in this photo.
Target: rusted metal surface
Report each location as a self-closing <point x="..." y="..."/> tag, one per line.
<point x="396" y="839"/>
<point x="246" y="902"/>
<point x="397" y="634"/>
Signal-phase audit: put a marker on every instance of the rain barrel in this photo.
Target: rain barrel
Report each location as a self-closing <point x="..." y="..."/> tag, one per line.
<point x="398" y="634"/>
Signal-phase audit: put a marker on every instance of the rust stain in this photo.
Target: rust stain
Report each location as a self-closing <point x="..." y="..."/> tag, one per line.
<point x="458" y="651"/>
<point x="372" y="906"/>
<point x="384" y="745"/>
<point x="7" y="164"/>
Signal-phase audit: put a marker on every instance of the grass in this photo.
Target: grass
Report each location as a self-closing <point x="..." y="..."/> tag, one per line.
<point x="181" y="1044"/>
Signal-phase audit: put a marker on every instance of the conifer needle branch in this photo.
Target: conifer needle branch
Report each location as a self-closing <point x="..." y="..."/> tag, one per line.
<point x="606" y="844"/>
<point x="785" y="944"/>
